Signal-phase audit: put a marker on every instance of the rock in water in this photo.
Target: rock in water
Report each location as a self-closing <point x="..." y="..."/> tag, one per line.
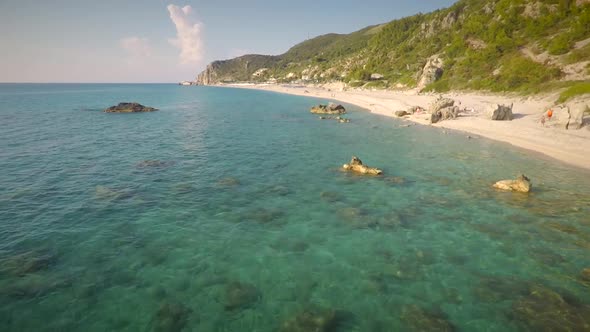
<point x="129" y="108"/>
<point x="356" y="165"/>
<point x="312" y="320"/>
<point x="240" y="295"/>
<point x="171" y="316"/>
<point x="521" y="184"/>
<point x="544" y="309"/>
<point x="420" y="319"/>
<point x="502" y="113"/>
<point x="331" y="108"/>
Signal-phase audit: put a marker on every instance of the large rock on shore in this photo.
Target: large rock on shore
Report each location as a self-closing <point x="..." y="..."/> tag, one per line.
<point x="432" y="71"/>
<point x="331" y="109"/>
<point x="502" y="113"/>
<point x="443" y="109"/>
<point x="568" y="117"/>
<point x="521" y="184"/>
<point x="129" y="108"/>
<point x="356" y="165"/>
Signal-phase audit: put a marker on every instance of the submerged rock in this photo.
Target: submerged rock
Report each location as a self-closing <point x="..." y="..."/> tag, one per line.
<point x="419" y="319"/>
<point x="26" y="263"/>
<point x="109" y="194"/>
<point x="313" y="320"/>
<point x="500" y="288"/>
<point x="32" y="286"/>
<point x="331" y="108"/>
<point x="356" y="165"/>
<point x="228" y="182"/>
<point x="154" y="164"/>
<point x="129" y="108"/>
<point x="263" y="216"/>
<point x="239" y="295"/>
<point x="585" y="274"/>
<point x="330" y="196"/>
<point x="170" y="317"/>
<point x="544" y="309"/>
<point x="395" y="180"/>
<point x="521" y="184"/>
<point x="337" y="118"/>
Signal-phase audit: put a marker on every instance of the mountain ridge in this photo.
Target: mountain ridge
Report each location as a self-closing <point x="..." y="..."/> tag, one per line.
<point x="496" y="45"/>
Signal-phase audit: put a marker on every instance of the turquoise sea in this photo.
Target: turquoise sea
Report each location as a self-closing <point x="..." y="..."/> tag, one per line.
<point x="226" y="211"/>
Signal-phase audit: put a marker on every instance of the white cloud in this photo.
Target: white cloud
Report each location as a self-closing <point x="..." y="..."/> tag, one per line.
<point x="188" y="34"/>
<point x="136" y="47"/>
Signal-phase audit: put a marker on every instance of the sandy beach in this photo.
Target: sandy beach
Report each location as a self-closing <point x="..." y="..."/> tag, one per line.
<point x="525" y="131"/>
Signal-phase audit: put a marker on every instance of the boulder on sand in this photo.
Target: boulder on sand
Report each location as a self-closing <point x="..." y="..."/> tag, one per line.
<point x="331" y="108"/>
<point x="443" y="109"/>
<point x="568" y="117"/>
<point x="129" y="108"/>
<point x="521" y="184"/>
<point x="502" y="113"/>
<point x="356" y="165"/>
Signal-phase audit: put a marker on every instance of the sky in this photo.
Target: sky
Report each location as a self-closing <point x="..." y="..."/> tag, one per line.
<point x="168" y="41"/>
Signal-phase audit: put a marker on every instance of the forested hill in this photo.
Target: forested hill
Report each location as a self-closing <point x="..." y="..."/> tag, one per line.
<point x="496" y="45"/>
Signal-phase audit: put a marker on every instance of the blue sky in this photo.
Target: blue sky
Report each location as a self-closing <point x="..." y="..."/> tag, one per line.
<point x="166" y="41"/>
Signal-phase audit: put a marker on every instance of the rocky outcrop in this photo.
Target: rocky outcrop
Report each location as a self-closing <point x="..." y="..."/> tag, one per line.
<point x="432" y="72"/>
<point x="443" y="109"/>
<point x="521" y="184"/>
<point x="331" y="109"/>
<point x="502" y="113"/>
<point x="356" y="165"/>
<point x="400" y="114"/>
<point x="129" y="108"/>
<point x="209" y="75"/>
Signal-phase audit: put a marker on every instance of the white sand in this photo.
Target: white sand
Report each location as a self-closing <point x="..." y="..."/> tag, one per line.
<point x="525" y="131"/>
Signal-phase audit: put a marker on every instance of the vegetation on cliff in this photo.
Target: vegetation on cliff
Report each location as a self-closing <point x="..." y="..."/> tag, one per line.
<point x="496" y="45"/>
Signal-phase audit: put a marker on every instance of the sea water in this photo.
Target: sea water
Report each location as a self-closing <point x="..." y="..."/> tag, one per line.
<point x="226" y="210"/>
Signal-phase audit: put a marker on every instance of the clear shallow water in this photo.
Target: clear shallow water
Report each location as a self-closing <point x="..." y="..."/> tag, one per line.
<point x="245" y="221"/>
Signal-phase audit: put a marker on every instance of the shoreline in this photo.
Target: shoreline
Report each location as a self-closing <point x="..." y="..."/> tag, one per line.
<point x="525" y="131"/>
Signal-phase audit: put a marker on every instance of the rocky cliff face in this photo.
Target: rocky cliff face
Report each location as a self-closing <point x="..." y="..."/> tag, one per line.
<point x="209" y="75"/>
<point x="473" y="44"/>
<point x="241" y="69"/>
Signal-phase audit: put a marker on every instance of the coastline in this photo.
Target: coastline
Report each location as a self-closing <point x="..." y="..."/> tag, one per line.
<point x="525" y="131"/>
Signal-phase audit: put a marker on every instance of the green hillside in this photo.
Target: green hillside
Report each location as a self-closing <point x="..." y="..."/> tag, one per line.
<point x="502" y="45"/>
